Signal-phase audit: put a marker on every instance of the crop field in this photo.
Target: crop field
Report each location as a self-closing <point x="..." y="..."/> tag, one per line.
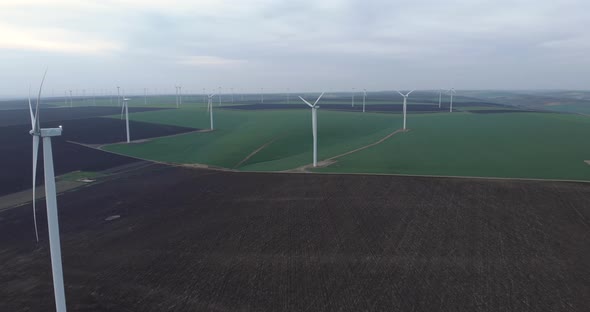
<point x="487" y="143"/>
<point x="195" y="240"/>
<point x="16" y="150"/>
<point x="239" y="133"/>
<point x="346" y="107"/>
<point x="514" y="145"/>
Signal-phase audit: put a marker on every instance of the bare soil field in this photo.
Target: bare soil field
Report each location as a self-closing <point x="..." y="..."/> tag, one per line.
<point x="11" y="117"/>
<point x="197" y="240"/>
<point x="16" y="151"/>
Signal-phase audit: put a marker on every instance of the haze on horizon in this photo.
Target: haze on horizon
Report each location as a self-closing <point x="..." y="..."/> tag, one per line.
<point x="302" y="45"/>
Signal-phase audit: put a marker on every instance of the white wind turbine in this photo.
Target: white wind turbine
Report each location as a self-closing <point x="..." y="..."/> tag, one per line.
<point x="125" y="108"/>
<point x="118" y="96"/>
<point x="405" y="104"/>
<point x="451" y="91"/>
<point x="440" y="91"/>
<point x="364" y="98"/>
<point x="50" y="198"/>
<point x="314" y="126"/>
<point x="210" y="109"/>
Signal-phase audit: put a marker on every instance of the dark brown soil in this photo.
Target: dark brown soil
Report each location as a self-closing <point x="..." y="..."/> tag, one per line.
<point x="16" y="148"/>
<point x="11" y="117"/>
<point x="195" y="240"/>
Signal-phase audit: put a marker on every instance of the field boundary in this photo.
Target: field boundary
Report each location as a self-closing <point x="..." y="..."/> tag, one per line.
<point x="100" y="146"/>
<point x="332" y="160"/>
<point x="255" y="152"/>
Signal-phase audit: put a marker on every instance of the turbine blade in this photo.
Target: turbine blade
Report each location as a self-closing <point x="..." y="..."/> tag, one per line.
<point x="31" y="111"/>
<point x="410" y="92"/>
<point x="306" y="102"/>
<point x="122" y="109"/>
<point x="316" y="101"/>
<point x="36" y="127"/>
<point x="400" y="93"/>
<point x="35" y="155"/>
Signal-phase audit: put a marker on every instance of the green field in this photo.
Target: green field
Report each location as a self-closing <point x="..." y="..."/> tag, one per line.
<point x="517" y="145"/>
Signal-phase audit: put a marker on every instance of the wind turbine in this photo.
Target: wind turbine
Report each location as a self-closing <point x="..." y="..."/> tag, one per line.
<point x="405" y="104"/>
<point x="50" y="198"/>
<point x="176" y="95"/>
<point x="440" y="91"/>
<point x="364" y="98"/>
<point x="118" y="96"/>
<point x="451" y="91"/>
<point x="210" y="109"/>
<point x="314" y="126"/>
<point x="125" y="108"/>
<point x="179" y="95"/>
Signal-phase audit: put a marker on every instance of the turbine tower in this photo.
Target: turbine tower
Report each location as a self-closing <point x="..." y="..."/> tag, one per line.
<point x="440" y="91"/>
<point x="405" y="104"/>
<point x="179" y="95"/>
<point x="125" y="108"/>
<point x="50" y="198"/>
<point x="118" y="96"/>
<point x="210" y="109"/>
<point x="364" y="98"/>
<point x="451" y="91"/>
<point x="314" y="126"/>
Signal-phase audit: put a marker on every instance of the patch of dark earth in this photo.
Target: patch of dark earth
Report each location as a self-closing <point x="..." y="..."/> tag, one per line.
<point x="196" y="240"/>
<point x="16" y="148"/>
<point x="11" y="117"/>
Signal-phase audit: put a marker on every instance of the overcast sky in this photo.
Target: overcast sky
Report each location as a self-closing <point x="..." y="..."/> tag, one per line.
<point x="305" y="45"/>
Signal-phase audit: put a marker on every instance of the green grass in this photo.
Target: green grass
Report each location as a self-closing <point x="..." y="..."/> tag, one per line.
<point x="77" y="175"/>
<point x="239" y="133"/>
<point x="519" y="145"/>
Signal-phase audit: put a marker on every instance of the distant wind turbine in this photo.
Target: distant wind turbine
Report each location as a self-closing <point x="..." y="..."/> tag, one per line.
<point x="440" y="91"/>
<point x="50" y="198"/>
<point x="364" y="98"/>
<point x="210" y="109"/>
<point x="405" y="104"/>
<point x="451" y="91"/>
<point x="125" y="108"/>
<point x="314" y="126"/>
<point x="118" y="96"/>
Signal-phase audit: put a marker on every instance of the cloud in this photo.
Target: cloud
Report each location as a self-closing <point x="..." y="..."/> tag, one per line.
<point x="53" y="40"/>
<point x="204" y="60"/>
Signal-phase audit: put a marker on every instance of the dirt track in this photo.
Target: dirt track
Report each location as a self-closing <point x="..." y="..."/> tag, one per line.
<point x="197" y="240"/>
